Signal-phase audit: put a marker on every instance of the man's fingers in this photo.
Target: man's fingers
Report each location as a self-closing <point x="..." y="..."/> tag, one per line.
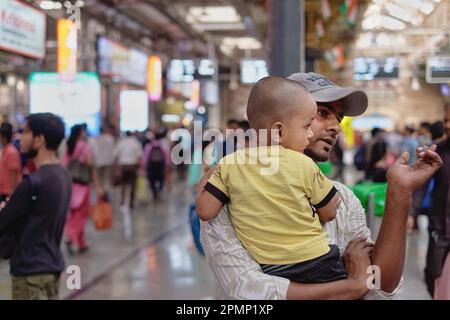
<point x="403" y="159"/>
<point x="354" y="242"/>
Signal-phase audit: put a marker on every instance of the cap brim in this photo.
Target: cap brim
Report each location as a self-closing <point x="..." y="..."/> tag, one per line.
<point x="354" y="101"/>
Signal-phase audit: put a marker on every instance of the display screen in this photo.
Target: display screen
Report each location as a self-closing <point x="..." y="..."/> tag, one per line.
<point x="133" y="110"/>
<point x="253" y="70"/>
<point x="75" y="102"/>
<point x="438" y="69"/>
<point x="375" y="68"/>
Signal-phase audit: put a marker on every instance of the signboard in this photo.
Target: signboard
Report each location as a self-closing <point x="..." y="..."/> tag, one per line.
<point x="154" y="82"/>
<point x="67" y="49"/>
<point x="22" y="29"/>
<point x="253" y="70"/>
<point x="117" y="60"/>
<point x="438" y="69"/>
<point x="375" y="68"/>
<point x="206" y="69"/>
<point x="181" y="70"/>
<point x="133" y="110"/>
<point x="76" y="102"/>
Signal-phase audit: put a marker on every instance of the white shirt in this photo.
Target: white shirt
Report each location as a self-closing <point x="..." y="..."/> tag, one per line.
<point x="240" y="277"/>
<point x="103" y="147"/>
<point x="128" y="151"/>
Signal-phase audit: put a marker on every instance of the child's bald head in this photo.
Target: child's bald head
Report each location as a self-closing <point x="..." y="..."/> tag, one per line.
<point x="275" y="99"/>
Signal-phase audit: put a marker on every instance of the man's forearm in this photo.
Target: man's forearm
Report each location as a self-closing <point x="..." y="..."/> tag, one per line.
<point x="348" y="289"/>
<point x="389" y="250"/>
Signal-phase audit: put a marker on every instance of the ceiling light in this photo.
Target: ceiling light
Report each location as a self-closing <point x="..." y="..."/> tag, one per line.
<point x="216" y="14"/>
<point x="47" y="5"/>
<point x="242" y="43"/>
<point x="426" y="8"/>
<point x="382" y="21"/>
<point x="399" y="12"/>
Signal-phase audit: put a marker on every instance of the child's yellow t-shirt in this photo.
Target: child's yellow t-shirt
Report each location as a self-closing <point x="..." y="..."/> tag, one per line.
<point x="270" y="192"/>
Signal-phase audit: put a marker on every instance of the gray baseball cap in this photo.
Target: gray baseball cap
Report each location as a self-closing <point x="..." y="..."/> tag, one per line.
<point x="354" y="101"/>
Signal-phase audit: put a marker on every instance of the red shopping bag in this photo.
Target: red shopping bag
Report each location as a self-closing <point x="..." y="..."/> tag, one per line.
<point x="102" y="215"/>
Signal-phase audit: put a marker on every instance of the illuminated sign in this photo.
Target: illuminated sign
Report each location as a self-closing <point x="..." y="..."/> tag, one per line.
<point x="438" y="69"/>
<point x="154" y="78"/>
<point x="253" y="70"/>
<point x="375" y="68"/>
<point x="67" y="49"/>
<point x="133" y="110"/>
<point x="75" y="102"/>
<point x="22" y="29"/>
<point x="181" y="71"/>
<point x="117" y="60"/>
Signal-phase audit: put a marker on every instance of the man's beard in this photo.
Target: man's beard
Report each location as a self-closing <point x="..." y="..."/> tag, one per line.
<point x="31" y="154"/>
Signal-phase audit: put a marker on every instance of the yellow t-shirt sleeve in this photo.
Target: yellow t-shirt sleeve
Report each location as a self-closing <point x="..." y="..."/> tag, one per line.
<point x="321" y="190"/>
<point x="217" y="187"/>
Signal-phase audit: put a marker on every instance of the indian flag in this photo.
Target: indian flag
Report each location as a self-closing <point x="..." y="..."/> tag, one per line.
<point x="349" y="10"/>
<point x="326" y="10"/>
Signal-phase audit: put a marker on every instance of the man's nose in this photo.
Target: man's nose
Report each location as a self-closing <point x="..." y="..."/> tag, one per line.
<point x="334" y="126"/>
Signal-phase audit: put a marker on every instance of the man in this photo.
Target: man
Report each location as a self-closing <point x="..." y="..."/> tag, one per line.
<point x="104" y="157"/>
<point x="37" y="212"/>
<point x="10" y="163"/>
<point x="439" y="228"/>
<point x="128" y="154"/>
<point x="239" y="276"/>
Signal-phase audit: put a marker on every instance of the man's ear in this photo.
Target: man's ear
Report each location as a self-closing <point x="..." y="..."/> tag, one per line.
<point x="38" y="141"/>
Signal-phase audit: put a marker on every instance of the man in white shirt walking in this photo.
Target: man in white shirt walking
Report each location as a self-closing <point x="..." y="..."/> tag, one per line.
<point x="128" y="153"/>
<point x="103" y="147"/>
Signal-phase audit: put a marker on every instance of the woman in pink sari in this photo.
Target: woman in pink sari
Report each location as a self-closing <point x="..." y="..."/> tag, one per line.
<point x="79" y="149"/>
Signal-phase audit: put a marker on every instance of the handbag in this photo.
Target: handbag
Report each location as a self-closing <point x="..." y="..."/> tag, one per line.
<point x="102" y="214"/>
<point x="81" y="172"/>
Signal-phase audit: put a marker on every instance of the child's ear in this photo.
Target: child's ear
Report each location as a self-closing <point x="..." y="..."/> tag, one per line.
<point x="278" y="126"/>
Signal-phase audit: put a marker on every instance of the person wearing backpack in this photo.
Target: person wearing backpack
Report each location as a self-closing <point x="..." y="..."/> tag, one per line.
<point x="32" y="220"/>
<point x="156" y="164"/>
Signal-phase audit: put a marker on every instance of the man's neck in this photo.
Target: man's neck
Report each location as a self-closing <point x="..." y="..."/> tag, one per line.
<point x="46" y="157"/>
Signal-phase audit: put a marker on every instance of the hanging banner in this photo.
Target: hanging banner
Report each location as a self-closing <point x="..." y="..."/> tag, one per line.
<point x="67" y="49"/>
<point x="154" y="78"/>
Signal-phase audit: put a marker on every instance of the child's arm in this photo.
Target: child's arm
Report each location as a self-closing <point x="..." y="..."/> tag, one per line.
<point x="206" y="205"/>
<point x="327" y="213"/>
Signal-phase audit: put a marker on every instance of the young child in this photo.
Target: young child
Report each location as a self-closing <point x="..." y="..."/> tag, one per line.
<point x="276" y="216"/>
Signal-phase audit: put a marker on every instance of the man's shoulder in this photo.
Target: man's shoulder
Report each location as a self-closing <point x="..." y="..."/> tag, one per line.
<point x="50" y="172"/>
<point x="443" y="147"/>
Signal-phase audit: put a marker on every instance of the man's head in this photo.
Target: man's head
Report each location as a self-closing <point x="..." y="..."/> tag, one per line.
<point x="283" y="105"/>
<point x="333" y="103"/>
<point x="232" y="124"/>
<point x="6" y="133"/>
<point x="42" y="131"/>
<point x="437" y="130"/>
<point x="447" y="120"/>
<point x="425" y="129"/>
